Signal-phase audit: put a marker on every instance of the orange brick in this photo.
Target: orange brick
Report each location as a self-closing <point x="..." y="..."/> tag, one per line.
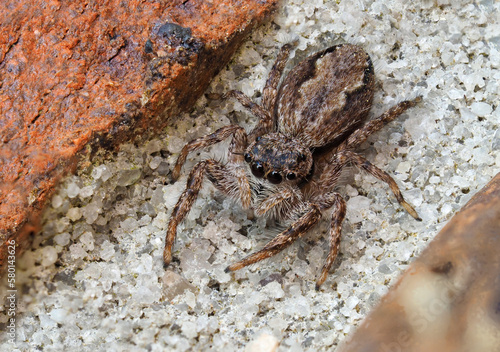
<point x="79" y="76"/>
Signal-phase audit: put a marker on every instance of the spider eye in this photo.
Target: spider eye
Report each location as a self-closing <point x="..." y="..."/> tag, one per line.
<point x="291" y="176"/>
<point x="248" y="157"/>
<point x="301" y="157"/>
<point x="257" y="169"/>
<point x="258" y="138"/>
<point x="274" y="177"/>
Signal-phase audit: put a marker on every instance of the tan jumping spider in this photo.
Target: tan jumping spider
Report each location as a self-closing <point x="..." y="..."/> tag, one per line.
<point x="289" y="165"/>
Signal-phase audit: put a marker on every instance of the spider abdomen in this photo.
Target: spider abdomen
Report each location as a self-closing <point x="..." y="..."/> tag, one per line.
<point x="327" y="96"/>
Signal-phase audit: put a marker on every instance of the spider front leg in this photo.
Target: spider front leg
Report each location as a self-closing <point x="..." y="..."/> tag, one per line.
<point x="283" y="240"/>
<point x="236" y="149"/>
<point x="230" y="179"/>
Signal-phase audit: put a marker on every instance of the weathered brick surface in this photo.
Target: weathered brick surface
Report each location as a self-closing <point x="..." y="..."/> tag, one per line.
<point x="77" y="76"/>
<point x="449" y="299"/>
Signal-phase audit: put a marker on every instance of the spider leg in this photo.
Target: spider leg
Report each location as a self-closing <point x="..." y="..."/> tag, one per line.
<point x="270" y="92"/>
<point x="254" y="108"/>
<point x="283" y="240"/>
<point x="230" y="179"/>
<point x="338" y="215"/>
<point x="182" y="207"/>
<point x="265" y="123"/>
<point x="269" y="96"/>
<point x="238" y="145"/>
<point x="359" y="136"/>
<point x="364" y="164"/>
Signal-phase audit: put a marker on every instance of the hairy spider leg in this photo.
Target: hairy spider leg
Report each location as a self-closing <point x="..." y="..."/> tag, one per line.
<point x="283" y="240"/>
<point x="265" y="113"/>
<point x="321" y="191"/>
<point x="359" y="136"/>
<point x="238" y="145"/>
<point x="264" y="124"/>
<point x="270" y="91"/>
<point x="231" y="179"/>
<point x="338" y="215"/>
<point x="367" y="166"/>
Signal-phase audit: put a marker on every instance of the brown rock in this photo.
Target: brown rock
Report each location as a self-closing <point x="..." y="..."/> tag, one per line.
<point x="77" y="76"/>
<point x="449" y="299"/>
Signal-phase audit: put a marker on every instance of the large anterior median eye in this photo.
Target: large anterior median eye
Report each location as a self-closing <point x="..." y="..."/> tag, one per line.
<point x="257" y="169"/>
<point x="274" y="177"/>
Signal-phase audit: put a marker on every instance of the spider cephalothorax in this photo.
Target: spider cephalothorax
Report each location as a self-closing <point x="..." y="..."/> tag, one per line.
<point x="289" y="165"/>
<point x="277" y="158"/>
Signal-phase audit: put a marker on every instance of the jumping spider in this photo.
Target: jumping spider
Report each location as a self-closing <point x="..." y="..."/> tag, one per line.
<point x="289" y="165"/>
